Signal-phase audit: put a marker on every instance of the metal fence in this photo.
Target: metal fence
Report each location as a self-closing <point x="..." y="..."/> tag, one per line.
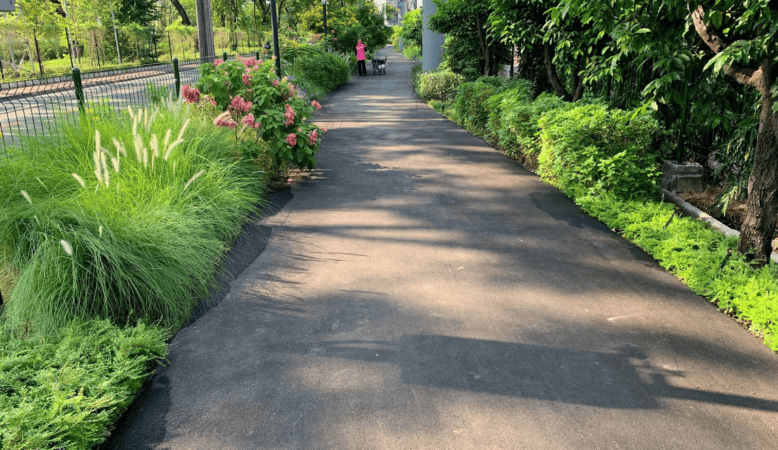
<point x="35" y="107"/>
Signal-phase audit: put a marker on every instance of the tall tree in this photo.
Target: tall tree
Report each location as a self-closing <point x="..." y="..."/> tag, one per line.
<point x="182" y="12"/>
<point x="741" y="36"/>
<point x="468" y="20"/>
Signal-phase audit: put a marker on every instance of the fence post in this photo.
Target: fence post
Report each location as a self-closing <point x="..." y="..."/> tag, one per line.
<point x="177" y="76"/>
<point x="257" y="54"/>
<point x="79" y="89"/>
<point x="224" y="56"/>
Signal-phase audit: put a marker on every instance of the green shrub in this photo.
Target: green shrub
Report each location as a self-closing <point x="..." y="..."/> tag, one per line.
<point x="415" y="76"/>
<point x="327" y="70"/>
<point x="470" y="102"/>
<point x="63" y="391"/>
<point x="439" y="85"/>
<point x="515" y="91"/>
<point x="412" y="52"/>
<point x="590" y="149"/>
<point x="693" y="252"/>
<point x="129" y="229"/>
<point x="519" y="130"/>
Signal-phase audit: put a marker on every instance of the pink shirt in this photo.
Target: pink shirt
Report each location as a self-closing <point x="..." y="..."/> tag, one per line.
<point x="360" y="52"/>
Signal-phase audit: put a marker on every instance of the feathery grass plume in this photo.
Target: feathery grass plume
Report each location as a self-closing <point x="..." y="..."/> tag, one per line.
<point x="26" y="196"/>
<point x="98" y="147"/>
<point x="98" y="170"/>
<point x="167" y="140"/>
<point x="194" y="177"/>
<point x="179" y="140"/>
<point x="150" y="120"/>
<point x="132" y="114"/>
<point x="104" y="167"/>
<point x="138" y="143"/>
<point x="154" y="144"/>
<point x="120" y="150"/>
<point x="135" y="125"/>
<point x="80" y="180"/>
<point x="66" y="245"/>
<point x="41" y="182"/>
<point x="115" y="163"/>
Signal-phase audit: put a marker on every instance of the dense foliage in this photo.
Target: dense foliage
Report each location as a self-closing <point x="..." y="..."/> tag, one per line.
<point x="121" y="217"/>
<point x="65" y="390"/>
<point x="439" y="85"/>
<point x="255" y="102"/>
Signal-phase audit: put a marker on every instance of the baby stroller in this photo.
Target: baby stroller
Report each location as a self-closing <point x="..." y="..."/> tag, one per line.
<point x="379" y="65"/>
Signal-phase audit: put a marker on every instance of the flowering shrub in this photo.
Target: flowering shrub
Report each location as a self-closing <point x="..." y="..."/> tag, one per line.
<point x="255" y="103"/>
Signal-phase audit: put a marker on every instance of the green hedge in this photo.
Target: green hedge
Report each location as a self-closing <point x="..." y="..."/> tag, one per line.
<point x="439" y="85"/>
<point x="326" y="70"/>
<point x="592" y="149"/>
<point x="605" y="160"/>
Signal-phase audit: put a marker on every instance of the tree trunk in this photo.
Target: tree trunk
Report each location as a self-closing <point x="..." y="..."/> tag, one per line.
<point x="577" y="87"/>
<point x="487" y="57"/>
<point x="553" y="78"/>
<point x="762" y="205"/>
<point x="182" y="12"/>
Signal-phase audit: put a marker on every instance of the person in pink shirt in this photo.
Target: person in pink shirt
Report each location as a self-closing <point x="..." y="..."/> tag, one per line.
<point x="361" y="58"/>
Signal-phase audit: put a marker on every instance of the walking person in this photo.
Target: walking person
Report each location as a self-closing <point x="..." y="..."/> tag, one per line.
<point x="361" y="58"/>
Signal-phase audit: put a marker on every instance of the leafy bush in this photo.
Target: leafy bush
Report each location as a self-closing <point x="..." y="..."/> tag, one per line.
<point x="590" y="149"/>
<point x="470" y="100"/>
<point x="63" y="391"/>
<point x="249" y="93"/>
<point x="412" y="52"/>
<point x="415" y="76"/>
<point x="694" y="253"/>
<point x="327" y="70"/>
<point x="519" y="131"/>
<point x="121" y="218"/>
<point x="515" y="91"/>
<point x="439" y="85"/>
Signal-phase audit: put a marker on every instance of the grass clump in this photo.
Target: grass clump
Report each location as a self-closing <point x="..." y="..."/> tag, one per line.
<point x="123" y="218"/>
<point x="64" y="390"/>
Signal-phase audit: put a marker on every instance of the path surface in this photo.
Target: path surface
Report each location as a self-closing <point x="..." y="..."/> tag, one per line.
<point x="421" y="291"/>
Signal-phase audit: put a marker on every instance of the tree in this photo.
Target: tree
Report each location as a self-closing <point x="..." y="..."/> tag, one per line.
<point x="740" y="35"/>
<point x="468" y="20"/>
<point x="182" y="12"/>
<point x="411" y="29"/>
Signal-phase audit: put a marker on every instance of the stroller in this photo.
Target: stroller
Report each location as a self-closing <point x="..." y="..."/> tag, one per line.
<point x="379" y="65"/>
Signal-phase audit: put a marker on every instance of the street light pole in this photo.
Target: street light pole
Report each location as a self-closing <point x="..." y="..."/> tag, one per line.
<point x="324" y="4"/>
<point x="276" y="50"/>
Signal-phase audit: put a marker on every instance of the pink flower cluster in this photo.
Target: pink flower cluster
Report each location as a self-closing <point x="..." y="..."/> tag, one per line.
<point x="313" y="135"/>
<point x="225" y="120"/>
<point x="210" y="99"/>
<point x="191" y="95"/>
<point x="289" y="114"/>
<point x="291" y="139"/>
<point x="276" y="82"/>
<point x="316" y="104"/>
<point x="247" y="78"/>
<point x="218" y="61"/>
<point x="251" y="63"/>
<point x="239" y="104"/>
<point x="250" y="121"/>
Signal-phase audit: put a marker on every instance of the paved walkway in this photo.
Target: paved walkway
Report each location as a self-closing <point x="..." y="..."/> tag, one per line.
<point x="421" y="291"/>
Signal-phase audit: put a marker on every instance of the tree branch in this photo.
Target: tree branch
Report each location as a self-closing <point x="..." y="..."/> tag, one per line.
<point x="744" y="75"/>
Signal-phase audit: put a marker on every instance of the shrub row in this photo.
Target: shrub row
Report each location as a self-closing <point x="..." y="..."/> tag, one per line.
<point x="604" y="159"/>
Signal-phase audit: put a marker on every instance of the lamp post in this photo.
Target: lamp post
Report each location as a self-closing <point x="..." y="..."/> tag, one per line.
<point x="324" y="4"/>
<point x="276" y="50"/>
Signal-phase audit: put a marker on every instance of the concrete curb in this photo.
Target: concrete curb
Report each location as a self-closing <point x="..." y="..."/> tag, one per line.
<point x="689" y="210"/>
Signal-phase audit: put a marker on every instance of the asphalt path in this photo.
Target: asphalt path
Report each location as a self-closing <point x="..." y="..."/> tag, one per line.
<point x="419" y="290"/>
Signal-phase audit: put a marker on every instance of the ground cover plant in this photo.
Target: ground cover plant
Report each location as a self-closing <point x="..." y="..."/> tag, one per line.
<point x="64" y="390"/>
<point x="604" y="158"/>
